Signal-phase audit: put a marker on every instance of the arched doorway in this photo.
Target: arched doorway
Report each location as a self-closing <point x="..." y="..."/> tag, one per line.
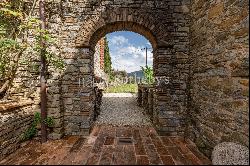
<point x="170" y="99"/>
<point x="119" y="60"/>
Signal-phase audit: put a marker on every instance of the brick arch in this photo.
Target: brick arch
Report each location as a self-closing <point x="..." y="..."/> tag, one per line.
<point x="118" y="19"/>
<point x="122" y="26"/>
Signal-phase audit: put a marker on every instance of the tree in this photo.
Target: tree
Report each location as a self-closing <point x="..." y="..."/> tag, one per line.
<point x="11" y="19"/>
<point x="16" y="25"/>
<point x="107" y="58"/>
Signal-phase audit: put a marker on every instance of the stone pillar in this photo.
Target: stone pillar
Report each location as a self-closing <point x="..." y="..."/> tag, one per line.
<point x="169" y="102"/>
<point x="78" y="93"/>
<point x="54" y="105"/>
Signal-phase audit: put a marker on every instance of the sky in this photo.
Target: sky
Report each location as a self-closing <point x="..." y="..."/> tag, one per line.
<point x="126" y="50"/>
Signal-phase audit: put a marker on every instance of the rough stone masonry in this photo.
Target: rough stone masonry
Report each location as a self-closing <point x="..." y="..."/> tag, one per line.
<point x="201" y="45"/>
<point x="219" y="90"/>
<point x="79" y="24"/>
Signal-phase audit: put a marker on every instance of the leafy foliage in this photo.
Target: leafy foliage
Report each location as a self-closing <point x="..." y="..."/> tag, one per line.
<point x="49" y="121"/>
<point x="148" y="74"/>
<point x="32" y="131"/>
<point x="15" y="48"/>
<point x="6" y="47"/>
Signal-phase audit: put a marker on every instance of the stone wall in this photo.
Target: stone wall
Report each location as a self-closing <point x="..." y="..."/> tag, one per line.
<point x="145" y="99"/>
<point x="79" y="24"/>
<point x="219" y="95"/>
<point x="15" y="119"/>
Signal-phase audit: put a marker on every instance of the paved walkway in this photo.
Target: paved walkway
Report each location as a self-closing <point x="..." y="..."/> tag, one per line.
<point x="111" y="143"/>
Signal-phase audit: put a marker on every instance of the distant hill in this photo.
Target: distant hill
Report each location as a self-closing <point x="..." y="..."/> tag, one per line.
<point x="138" y="73"/>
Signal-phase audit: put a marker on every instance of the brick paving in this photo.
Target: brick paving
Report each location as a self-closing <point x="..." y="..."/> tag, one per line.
<point x="108" y="145"/>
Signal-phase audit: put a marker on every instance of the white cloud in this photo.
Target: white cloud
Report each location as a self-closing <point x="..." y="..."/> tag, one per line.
<point x="148" y="43"/>
<point x="126" y="56"/>
<point x="130" y="58"/>
<point x="118" y="40"/>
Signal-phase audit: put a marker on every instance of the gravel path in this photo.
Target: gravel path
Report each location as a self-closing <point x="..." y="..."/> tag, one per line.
<point x="121" y="110"/>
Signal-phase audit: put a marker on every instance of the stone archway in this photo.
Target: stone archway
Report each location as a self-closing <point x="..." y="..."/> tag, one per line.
<point x="208" y="35"/>
<point x="170" y="44"/>
<point x="119" y="18"/>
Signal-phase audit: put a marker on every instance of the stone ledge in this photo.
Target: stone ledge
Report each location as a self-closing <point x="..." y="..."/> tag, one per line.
<point x="6" y="106"/>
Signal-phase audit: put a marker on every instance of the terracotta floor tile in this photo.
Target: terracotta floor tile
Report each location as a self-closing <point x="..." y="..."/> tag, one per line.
<point x="101" y="148"/>
<point x="49" y="152"/>
<point x="139" y="147"/>
<point x="33" y="154"/>
<point x="60" y="156"/>
<point x="179" y="159"/>
<point x="180" y="144"/>
<point x="82" y="155"/>
<point x="166" y="141"/>
<point x="77" y="145"/>
<point x="161" y="149"/>
<point x="109" y="141"/>
<point x="97" y="147"/>
<point x="107" y="155"/>
<point x="183" y="140"/>
<point x="108" y="131"/>
<point x="156" y="140"/>
<point x="146" y="140"/>
<point x="193" y="159"/>
<point x="70" y="140"/>
<point x="199" y="155"/>
<point x="167" y="160"/>
<point x="183" y="149"/>
<point x="129" y="155"/>
<point x="153" y="156"/>
<point x="142" y="160"/>
<point x="118" y="155"/>
<point x="71" y="153"/>
<point x="23" y="150"/>
<point x="93" y="159"/>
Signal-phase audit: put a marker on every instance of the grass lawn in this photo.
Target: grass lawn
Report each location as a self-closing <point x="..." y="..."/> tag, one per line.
<point x="124" y="88"/>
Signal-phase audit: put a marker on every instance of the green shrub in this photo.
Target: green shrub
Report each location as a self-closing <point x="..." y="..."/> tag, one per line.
<point x="148" y="74"/>
<point x="32" y="131"/>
